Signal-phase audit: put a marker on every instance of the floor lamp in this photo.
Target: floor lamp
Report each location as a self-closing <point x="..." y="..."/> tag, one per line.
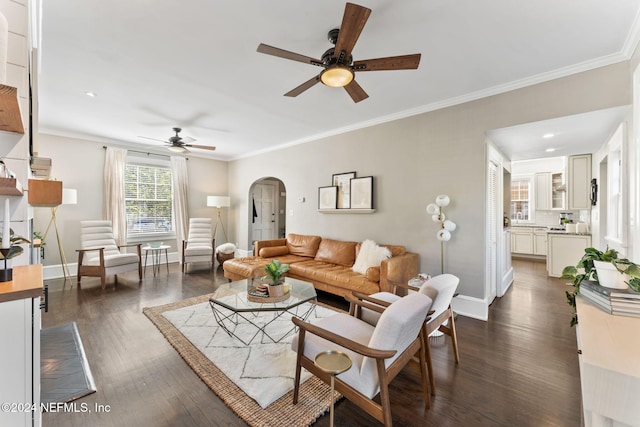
<point x="69" y="197"/>
<point x="219" y="202"/>
<point x="446" y="226"/>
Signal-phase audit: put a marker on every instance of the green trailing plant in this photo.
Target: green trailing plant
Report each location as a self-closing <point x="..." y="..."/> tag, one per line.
<point x="585" y="270"/>
<point x="15" y="245"/>
<point x="275" y="271"/>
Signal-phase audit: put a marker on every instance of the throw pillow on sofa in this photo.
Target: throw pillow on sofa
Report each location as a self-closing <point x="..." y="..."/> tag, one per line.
<point x="370" y="255"/>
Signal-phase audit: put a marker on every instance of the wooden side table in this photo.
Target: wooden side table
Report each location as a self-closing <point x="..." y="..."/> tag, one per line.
<point x="332" y="362"/>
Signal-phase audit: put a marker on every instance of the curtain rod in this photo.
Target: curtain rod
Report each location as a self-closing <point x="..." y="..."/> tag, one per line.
<point x="146" y="152"/>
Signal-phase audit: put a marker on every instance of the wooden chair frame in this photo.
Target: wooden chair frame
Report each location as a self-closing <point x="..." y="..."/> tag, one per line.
<point x="380" y="411"/>
<point x="430" y="324"/>
<point x="100" y="270"/>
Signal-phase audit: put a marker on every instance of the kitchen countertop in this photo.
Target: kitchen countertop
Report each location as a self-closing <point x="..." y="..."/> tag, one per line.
<point x="548" y="231"/>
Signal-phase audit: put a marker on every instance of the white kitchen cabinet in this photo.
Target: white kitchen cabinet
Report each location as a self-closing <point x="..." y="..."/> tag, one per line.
<point x="558" y="190"/>
<point x="539" y="241"/>
<point x="20" y="354"/>
<point x="563" y="250"/>
<point x="522" y="240"/>
<point x="543" y="191"/>
<point x="550" y="191"/>
<point x="579" y="182"/>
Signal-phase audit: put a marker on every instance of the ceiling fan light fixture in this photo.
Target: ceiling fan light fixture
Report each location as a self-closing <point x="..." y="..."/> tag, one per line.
<point x="177" y="148"/>
<point x="336" y="76"/>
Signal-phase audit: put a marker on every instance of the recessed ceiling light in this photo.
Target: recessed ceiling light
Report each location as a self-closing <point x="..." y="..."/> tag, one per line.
<point x="548" y="135"/>
<point x="550" y="150"/>
<point x="90" y="94"/>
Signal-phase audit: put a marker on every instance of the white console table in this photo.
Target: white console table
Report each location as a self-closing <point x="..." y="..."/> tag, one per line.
<point x="609" y="368"/>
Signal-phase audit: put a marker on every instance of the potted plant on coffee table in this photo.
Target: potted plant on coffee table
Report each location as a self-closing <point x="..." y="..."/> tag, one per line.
<point x="275" y="276"/>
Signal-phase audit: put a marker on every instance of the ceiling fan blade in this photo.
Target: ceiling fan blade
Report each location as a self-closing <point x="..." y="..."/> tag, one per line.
<point x="304" y="86"/>
<point x="201" y="147"/>
<point x="154" y="139"/>
<point x="353" y="21"/>
<point x="403" y="62"/>
<point x="356" y="92"/>
<point x="281" y="53"/>
<point x="187" y="139"/>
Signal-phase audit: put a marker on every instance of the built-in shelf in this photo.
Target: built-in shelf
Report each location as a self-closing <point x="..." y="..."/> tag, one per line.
<point x="10" y="187"/>
<point x="10" y="118"/>
<point x="347" y="211"/>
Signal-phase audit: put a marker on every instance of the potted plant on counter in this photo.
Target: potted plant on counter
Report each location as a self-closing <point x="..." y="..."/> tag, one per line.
<point x="275" y="274"/>
<point x="598" y="265"/>
<point x="13" y="249"/>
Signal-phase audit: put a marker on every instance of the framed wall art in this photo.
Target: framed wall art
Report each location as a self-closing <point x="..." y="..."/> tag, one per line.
<point x="343" y="182"/>
<point x="361" y="192"/>
<point x="327" y="197"/>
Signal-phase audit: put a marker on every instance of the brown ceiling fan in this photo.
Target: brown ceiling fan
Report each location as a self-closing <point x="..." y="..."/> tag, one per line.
<point x="179" y="144"/>
<point x="339" y="67"/>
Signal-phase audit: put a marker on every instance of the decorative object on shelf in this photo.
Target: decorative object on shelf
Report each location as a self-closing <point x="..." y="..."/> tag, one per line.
<point x="446" y="226"/>
<point x="69" y="196"/>
<point x="219" y="202"/>
<point x="343" y="182"/>
<point x="275" y="272"/>
<point x="11" y="248"/>
<point x="327" y="197"/>
<point x="591" y="271"/>
<point x="361" y="192"/>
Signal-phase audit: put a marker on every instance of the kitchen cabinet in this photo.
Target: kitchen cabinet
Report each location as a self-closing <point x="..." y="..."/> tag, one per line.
<point x="564" y="249"/>
<point x="550" y="191"/>
<point x="540" y="241"/>
<point x="579" y="182"/>
<point x="543" y="191"/>
<point x="521" y="240"/>
<point x="20" y="356"/>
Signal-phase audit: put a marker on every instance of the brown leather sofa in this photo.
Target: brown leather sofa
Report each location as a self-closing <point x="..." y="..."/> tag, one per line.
<point x="326" y="263"/>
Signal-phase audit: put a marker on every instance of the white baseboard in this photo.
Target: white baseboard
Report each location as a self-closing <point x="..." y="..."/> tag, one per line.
<point x="55" y="271"/>
<point x="471" y="307"/>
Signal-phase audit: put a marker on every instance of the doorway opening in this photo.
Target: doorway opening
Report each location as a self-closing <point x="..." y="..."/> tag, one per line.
<point x="267" y="203"/>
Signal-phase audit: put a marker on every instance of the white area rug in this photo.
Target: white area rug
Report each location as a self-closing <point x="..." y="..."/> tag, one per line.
<point x="263" y="370"/>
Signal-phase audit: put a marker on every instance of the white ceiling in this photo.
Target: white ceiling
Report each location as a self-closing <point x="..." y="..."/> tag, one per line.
<point x="155" y="64"/>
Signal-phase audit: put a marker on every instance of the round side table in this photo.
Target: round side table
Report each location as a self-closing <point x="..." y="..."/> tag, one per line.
<point x="332" y="362"/>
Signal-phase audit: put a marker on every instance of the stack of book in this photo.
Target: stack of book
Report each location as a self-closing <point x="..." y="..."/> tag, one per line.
<point x="621" y="302"/>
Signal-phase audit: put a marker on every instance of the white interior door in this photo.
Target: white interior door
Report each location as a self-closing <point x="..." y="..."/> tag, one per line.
<point x="263" y="226"/>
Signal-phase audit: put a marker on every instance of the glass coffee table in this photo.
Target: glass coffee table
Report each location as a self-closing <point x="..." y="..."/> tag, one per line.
<point x="245" y="317"/>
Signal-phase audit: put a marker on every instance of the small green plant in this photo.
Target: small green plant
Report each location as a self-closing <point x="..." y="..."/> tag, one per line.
<point x="275" y="271"/>
<point x="15" y="248"/>
<point x="585" y="270"/>
<point x="37" y="235"/>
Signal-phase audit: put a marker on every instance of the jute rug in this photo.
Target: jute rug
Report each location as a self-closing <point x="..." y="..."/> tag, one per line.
<point x="314" y="394"/>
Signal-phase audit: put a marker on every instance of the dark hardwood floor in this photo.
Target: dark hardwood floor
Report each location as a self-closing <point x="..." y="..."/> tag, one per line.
<point x="518" y="369"/>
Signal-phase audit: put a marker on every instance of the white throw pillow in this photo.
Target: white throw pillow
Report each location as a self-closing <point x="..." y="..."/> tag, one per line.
<point x="370" y="255"/>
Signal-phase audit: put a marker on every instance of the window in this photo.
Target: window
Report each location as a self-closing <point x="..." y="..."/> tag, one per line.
<point x="520" y="199"/>
<point x="148" y="199"/>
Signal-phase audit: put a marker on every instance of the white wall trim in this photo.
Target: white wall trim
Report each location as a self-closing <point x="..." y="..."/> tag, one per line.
<point x="55" y="271"/>
<point x="475" y="308"/>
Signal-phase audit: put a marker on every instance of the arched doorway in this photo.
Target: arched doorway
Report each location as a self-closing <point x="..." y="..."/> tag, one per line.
<point x="267" y="207"/>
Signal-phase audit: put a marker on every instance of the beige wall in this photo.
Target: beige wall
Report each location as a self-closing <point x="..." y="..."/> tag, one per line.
<point x="413" y="160"/>
<point x="79" y="164"/>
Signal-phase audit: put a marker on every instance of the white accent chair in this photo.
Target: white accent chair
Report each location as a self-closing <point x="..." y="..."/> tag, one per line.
<point x="100" y="256"/>
<point x="199" y="244"/>
<point x="378" y="353"/>
<point x="441" y="289"/>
